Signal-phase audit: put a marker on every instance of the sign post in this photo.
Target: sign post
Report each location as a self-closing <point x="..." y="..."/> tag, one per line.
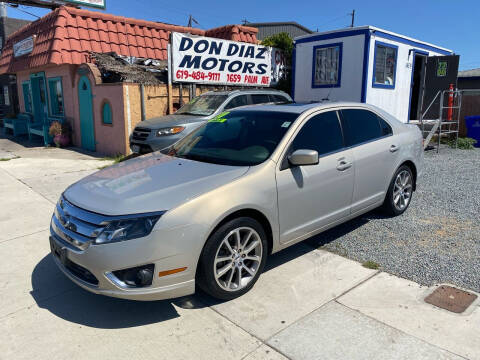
<point x="203" y="60"/>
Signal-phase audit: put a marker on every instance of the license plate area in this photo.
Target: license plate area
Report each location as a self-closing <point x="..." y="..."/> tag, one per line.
<point x="59" y="252"/>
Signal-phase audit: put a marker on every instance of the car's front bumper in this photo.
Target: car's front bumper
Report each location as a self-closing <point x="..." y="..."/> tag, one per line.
<point x="153" y="143"/>
<point x="92" y="268"/>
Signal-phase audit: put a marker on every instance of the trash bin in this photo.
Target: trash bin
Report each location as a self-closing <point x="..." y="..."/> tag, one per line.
<point x="473" y="128"/>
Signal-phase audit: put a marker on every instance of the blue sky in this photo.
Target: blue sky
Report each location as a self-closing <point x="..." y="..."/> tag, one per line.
<point x="454" y="24"/>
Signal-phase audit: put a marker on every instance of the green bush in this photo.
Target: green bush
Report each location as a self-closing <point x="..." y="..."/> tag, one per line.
<point x="463" y="143"/>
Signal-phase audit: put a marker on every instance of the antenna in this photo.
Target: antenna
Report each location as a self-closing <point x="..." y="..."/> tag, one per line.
<point x="352" y="14"/>
<point x="245" y="21"/>
<point x="327" y="98"/>
<point x="190" y="20"/>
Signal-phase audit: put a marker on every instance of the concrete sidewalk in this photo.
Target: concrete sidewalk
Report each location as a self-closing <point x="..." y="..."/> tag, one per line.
<point x="309" y="303"/>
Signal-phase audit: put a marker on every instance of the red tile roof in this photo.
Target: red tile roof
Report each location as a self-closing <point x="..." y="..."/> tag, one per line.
<point x="235" y="33"/>
<point x="67" y="36"/>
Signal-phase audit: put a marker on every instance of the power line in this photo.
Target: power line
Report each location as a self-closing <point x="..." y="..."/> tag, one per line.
<point x="333" y="20"/>
<point x="24" y="11"/>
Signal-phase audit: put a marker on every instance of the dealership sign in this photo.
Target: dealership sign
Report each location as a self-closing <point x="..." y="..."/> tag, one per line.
<point x="90" y="3"/>
<point x="206" y="60"/>
<point x="23" y="47"/>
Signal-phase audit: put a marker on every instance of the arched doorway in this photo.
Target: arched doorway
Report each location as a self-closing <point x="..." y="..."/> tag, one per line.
<point x="86" y="113"/>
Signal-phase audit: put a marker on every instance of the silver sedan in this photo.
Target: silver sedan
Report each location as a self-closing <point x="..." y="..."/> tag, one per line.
<point x="210" y="209"/>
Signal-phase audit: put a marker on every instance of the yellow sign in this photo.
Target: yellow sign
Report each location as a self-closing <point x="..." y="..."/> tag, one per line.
<point x="220" y="117"/>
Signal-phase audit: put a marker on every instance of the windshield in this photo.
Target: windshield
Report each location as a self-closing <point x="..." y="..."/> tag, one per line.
<point x="202" y="105"/>
<point x="237" y="138"/>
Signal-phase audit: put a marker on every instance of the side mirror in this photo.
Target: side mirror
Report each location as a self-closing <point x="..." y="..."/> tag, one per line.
<point x="303" y="157"/>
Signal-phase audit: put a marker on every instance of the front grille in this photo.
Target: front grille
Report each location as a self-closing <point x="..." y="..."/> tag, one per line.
<point x="76" y="226"/>
<point x="141" y="133"/>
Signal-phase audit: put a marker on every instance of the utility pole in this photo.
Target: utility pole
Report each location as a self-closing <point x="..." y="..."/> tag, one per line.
<point x="3" y="10"/>
<point x="245" y="21"/>
<point x="352" y="14"/>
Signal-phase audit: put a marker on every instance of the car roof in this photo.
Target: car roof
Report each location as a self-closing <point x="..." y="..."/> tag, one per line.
<point x="245" y="91"/>
<point x="299" y="108"/>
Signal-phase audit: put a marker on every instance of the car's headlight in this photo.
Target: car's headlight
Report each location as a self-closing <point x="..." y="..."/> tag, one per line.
<point x="170" y="130"/>
<point x="128" y="228"/>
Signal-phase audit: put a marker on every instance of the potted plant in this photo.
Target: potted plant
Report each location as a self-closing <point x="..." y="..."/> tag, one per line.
<point x="60" y="133"/>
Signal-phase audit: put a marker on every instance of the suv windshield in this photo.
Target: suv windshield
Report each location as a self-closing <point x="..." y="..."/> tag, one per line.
<point x="237" y="138"/>
<point x="202" y="105"/>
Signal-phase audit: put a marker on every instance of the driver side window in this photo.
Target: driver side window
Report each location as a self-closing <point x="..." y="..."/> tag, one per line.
<point x="322" y="133"/>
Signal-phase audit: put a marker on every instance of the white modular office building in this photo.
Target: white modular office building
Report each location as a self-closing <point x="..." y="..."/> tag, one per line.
<point x="366" y="64"/>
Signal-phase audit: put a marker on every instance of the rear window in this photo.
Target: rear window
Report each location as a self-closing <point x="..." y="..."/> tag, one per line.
<point x="260" y="98"/>
<point x="278" y="98"/>
<point x="360" y="126"/>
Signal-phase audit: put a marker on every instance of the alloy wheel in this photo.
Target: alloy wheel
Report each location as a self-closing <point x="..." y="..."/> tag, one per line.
<point x="402" y="190"/>
<point x="238" y="259"/>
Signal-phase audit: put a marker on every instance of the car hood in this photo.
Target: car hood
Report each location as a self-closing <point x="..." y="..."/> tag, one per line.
<point x="153" y="182"/>
<point x="171" y="120"/>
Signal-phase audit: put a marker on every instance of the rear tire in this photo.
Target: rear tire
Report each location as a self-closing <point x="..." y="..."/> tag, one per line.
<point x="233" y="258"/>
<point x="400" y="191"/>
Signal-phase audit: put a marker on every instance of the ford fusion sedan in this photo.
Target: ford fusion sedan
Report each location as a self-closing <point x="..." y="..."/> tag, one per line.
<point x="210" y="209"/>
<point x="159" y="133"/>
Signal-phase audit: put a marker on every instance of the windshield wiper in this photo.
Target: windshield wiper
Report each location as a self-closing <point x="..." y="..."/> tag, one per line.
<point x="195" y="157"/>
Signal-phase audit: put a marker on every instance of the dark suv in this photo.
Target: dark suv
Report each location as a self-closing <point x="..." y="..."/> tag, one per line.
<point x="159" y="133"/>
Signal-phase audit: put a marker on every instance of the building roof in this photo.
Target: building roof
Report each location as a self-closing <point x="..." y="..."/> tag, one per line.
<point x="280" y="23"/>
<point x="10" y="25"/>
<point x="469" y="73"/>
<point x="292" y="28"/>
<point x="304" y="38"/>
<point x="235" y="33"/>
<point x="68" y="36"/>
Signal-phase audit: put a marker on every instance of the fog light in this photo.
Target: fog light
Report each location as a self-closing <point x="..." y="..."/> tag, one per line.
<point x="139" y="276"/>
<point x="144" y="277"/>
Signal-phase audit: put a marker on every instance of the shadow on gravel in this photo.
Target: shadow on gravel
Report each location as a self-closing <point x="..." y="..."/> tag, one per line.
<point x="343" y="229"/>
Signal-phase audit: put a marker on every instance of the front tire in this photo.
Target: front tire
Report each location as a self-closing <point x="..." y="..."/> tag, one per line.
<point x="400" y="191"/>
<point x="233" y="258"/>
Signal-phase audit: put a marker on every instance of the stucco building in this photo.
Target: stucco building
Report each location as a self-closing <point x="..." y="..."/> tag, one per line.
<point x="57" y="78"/>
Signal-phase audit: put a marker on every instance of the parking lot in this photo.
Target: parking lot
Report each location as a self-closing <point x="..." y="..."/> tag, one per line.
<point x="314" y="301"/>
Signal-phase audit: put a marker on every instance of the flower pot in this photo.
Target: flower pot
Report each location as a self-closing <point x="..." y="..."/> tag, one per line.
<point x="61" y="140"/>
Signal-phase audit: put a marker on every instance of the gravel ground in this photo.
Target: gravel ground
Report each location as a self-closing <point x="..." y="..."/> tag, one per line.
<point x="437" y="240"/>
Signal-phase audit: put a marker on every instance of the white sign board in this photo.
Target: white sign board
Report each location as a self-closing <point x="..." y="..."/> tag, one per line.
<point x="90" y="3"/>
<point x="197" y="59"/>
<point x="23" y="47"/>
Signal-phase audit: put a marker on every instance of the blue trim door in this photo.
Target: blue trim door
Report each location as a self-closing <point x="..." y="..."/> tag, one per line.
<point x="85" y="104"/>
<point x="39" y="97"/>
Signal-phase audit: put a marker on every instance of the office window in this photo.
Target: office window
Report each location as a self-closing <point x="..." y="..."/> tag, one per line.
<point x="27" y="96"/>
<point x="107" y="113"/>
<point x="385" y="65"/>
<point x="327" y="60"/>
<point x="56" y="96"/>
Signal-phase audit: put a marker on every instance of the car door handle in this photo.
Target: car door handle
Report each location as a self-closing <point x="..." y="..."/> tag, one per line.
<point x="343" y="165"/>
<point x="394" y="148"/>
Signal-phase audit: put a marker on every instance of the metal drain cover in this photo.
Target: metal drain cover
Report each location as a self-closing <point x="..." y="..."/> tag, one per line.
<point x="451" y="299"/>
